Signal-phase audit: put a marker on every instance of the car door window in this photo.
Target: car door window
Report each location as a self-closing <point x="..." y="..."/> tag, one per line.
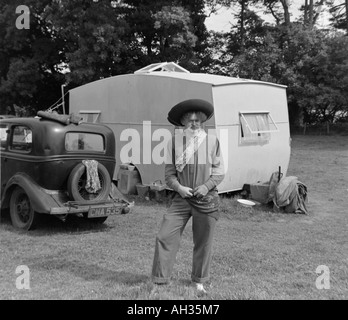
<point x="3" y="136"/>
<point x="21" y="139"/>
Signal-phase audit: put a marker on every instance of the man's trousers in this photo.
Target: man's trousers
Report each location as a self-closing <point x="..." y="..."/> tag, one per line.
<point x="169" y="236"/>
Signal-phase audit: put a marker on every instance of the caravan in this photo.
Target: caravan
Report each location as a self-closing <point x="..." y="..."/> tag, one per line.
<point x="250" y="118"/>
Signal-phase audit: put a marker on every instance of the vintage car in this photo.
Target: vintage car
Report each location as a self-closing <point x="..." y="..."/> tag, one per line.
<point x="56" y="164"/>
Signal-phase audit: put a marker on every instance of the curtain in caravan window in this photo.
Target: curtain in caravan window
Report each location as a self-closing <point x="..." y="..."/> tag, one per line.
<point x="263" y="123"/>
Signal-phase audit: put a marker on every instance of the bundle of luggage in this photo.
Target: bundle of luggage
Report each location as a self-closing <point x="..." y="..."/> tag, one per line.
<point x="288" y="194"/>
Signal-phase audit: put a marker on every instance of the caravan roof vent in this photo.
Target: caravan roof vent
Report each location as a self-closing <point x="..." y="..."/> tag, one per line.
<point x="162" y="66"/>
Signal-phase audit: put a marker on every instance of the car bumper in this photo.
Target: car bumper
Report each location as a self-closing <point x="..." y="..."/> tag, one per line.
<point x="96" y="209"/>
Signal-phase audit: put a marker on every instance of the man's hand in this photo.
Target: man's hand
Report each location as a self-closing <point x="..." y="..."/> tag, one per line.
<point x="200" y="191"/>
<point x="185" y="192"/>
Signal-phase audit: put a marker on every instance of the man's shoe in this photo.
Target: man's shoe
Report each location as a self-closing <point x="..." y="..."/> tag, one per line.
<point x="200" y="288"/>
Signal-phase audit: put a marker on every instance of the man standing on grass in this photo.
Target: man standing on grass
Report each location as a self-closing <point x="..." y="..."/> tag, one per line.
<point x="194" y="169"/>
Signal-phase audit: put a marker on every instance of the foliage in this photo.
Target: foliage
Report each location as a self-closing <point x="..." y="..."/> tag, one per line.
<point x="73" y="42"/>
<point x="311" y="62"/>
<point x="29" y="59"/>
<point x="167" y="31"/>
<point x="173" y="26"/>
<point x="339" y="14"/>
<point x="76" y="42"/>
<point x="324" y="95"/>
<point x="93" y="32"/>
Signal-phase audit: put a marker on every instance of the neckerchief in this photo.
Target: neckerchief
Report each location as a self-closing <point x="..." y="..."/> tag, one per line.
<point x="191" y="147"/>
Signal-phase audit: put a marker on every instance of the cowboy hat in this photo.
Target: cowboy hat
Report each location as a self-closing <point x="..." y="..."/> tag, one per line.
<point x="176" y="113"/>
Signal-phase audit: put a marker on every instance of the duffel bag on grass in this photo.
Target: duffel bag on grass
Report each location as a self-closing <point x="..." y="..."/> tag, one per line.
<point x="291" y="195"/>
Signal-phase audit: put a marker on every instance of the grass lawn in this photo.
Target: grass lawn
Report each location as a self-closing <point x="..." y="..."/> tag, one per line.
<point x="258" y="254"/>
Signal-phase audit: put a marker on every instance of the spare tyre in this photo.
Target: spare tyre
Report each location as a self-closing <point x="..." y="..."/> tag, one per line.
<point x="77" y="184"/>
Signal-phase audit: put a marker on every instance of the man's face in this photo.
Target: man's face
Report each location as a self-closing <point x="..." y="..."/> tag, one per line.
<point x="193" y="123"/>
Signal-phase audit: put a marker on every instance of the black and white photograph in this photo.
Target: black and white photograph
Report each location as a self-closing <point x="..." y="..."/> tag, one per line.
<point x="174" y="155"/>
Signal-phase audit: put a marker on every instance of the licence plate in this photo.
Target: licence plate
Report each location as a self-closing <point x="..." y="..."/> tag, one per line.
<point x="102" y="212"/>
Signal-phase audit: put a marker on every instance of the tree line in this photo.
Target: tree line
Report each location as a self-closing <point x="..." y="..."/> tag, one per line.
<point x="73" y="42"/>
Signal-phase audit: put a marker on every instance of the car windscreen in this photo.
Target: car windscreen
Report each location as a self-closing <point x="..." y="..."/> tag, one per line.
<point x="81" y="141"/>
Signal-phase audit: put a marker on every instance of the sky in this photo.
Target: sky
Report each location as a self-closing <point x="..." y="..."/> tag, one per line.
<point x="221" y="21"/>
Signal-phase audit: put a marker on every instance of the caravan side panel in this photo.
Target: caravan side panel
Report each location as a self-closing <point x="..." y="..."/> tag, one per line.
<point x="251" y="162"/>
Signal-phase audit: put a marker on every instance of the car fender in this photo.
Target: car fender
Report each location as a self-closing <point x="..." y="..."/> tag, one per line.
<point x="41" y="201"/>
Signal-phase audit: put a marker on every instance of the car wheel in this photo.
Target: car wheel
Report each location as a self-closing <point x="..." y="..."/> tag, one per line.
<point x="77" y="184"/>
<point x="22" y="213"/>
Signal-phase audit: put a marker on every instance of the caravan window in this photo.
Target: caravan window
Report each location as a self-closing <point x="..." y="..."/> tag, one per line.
<point x="256" y="126"/>
<point x="90" y="116"/>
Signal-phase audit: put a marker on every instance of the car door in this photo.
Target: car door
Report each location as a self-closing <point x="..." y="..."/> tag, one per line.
<point x="15" y="156"/>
